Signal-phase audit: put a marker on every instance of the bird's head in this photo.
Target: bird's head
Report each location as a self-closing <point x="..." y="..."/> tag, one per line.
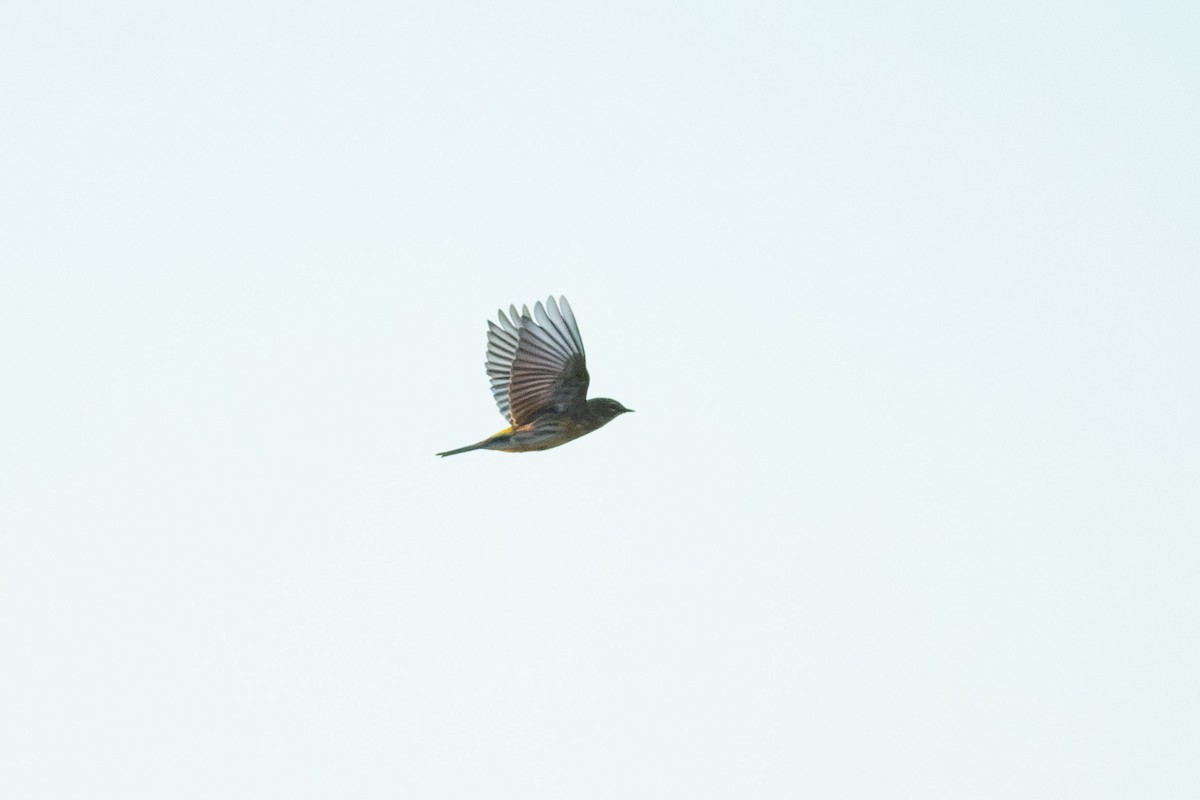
<point x="603" y="410"/>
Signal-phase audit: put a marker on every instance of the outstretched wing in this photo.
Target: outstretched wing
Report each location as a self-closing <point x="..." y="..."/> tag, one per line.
<point x="537" y="361"/>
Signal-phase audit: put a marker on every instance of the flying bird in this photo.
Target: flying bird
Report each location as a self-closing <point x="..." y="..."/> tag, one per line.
<point x="540" y="380"/>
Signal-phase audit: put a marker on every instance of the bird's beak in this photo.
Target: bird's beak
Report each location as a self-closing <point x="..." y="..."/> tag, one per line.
<point x="629" y="410"/>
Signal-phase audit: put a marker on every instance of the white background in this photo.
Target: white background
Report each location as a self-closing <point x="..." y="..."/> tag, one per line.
<point x="904" y="294"/>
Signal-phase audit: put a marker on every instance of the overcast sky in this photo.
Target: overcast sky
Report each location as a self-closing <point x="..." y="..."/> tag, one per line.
<point x="905" y="296"/>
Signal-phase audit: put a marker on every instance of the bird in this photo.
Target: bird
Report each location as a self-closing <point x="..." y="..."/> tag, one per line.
<point x="539" y="377"/>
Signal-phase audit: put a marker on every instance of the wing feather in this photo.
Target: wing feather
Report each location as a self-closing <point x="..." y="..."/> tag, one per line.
<point x="536" y="361"/>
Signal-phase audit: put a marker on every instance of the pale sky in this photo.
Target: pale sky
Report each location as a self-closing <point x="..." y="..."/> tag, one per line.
<point x="905" y="296"/>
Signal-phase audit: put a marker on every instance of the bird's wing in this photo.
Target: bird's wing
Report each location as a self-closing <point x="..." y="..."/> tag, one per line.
<point x="537" y="361"/>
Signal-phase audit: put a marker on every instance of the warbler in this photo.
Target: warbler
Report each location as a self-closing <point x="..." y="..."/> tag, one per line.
<point x="540" y="380"/>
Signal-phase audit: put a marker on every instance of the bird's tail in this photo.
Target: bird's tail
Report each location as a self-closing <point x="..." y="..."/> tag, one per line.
<point x="466" y="449"/>
<point x="497" y="441"/>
